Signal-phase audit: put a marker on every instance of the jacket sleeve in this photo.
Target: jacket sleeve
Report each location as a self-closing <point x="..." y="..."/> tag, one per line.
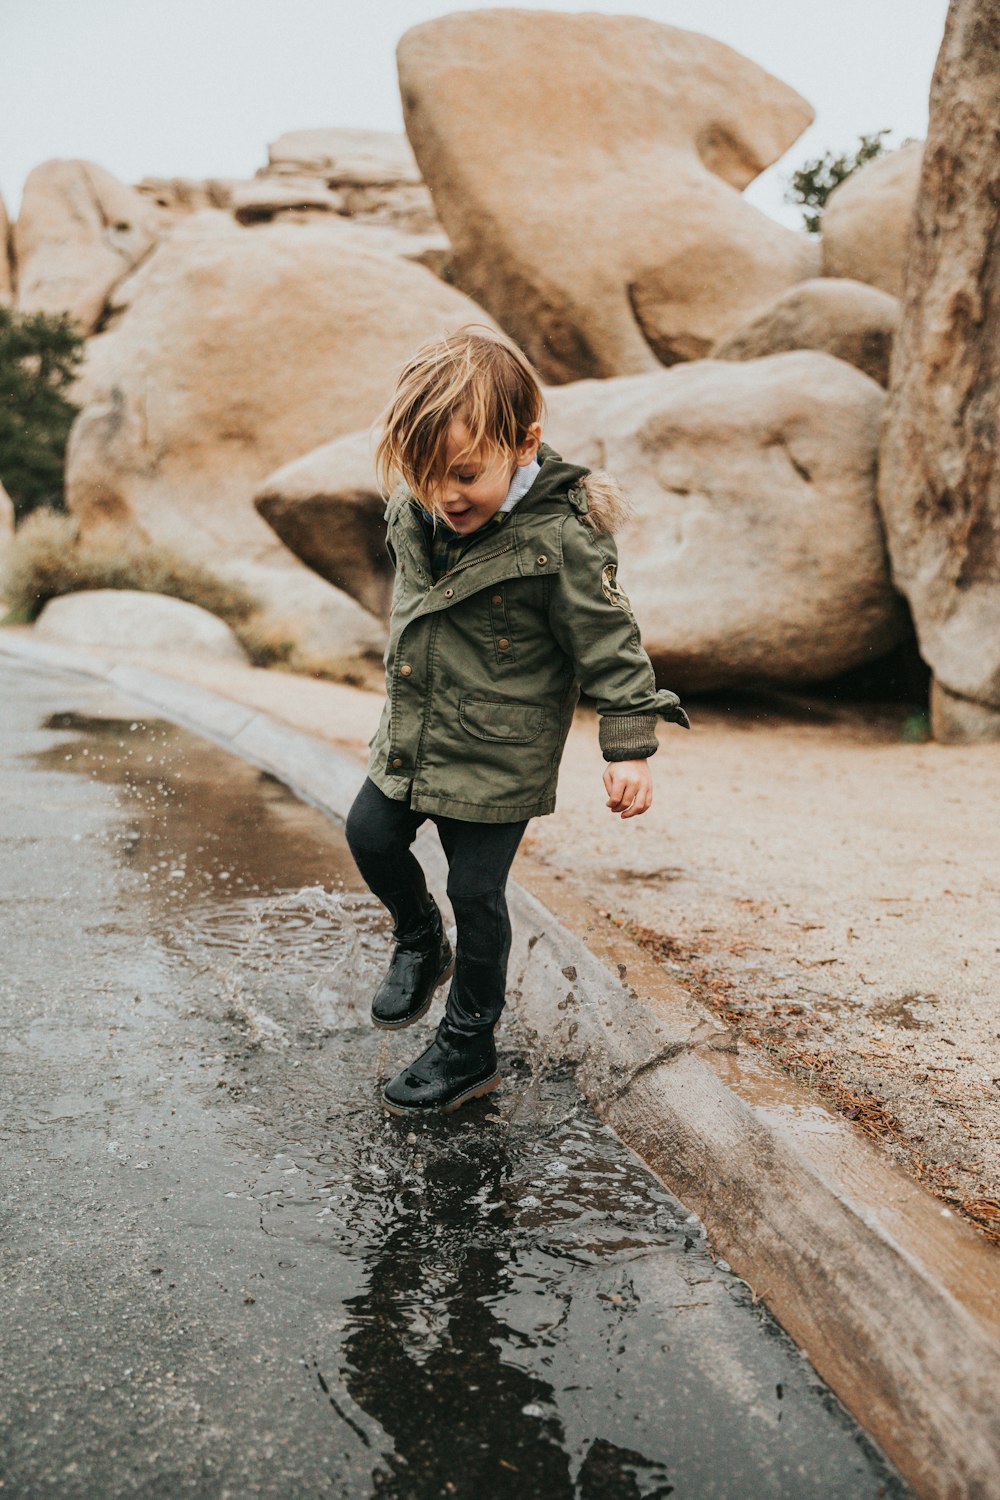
<point x="592" y="621"/>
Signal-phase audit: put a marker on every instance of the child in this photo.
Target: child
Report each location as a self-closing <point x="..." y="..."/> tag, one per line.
<point x="505" y="604"/>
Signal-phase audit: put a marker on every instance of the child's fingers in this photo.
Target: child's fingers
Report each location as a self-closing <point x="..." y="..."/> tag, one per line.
<point x="630" y="800"/>
<point x="618" y="793"/>
<point x="640" y="805"/>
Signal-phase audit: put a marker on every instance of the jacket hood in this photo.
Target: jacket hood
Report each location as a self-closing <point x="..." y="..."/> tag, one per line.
<point x="599" y="500"/>
<point x="608" y="505"/>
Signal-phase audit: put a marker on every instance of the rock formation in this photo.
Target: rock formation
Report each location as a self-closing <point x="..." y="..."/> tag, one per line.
<point x="372" y="173"/>
<point x="365" y="182"/>
<point x="261" y="201"/>
<point x="755" y="553"/>
<point x="868" y="221"/>
<point x="79" y="232"/>
<point x="588" y="169"/>
<point x="845" y="318"/>
<point x="369" y="176"/>
<point x="939" y="484"/>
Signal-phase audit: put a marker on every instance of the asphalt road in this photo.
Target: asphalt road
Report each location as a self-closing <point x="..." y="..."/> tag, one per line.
<point x="226" y="1273"/>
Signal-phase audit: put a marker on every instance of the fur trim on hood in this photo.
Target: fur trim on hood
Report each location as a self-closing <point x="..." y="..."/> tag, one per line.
<point x="608" y="505"/>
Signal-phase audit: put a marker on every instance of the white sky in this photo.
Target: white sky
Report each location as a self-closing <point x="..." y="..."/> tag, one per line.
<point x="197" y="88"/>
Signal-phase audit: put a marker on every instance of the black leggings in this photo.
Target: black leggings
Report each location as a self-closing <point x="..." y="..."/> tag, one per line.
<point x="380" y="831"/>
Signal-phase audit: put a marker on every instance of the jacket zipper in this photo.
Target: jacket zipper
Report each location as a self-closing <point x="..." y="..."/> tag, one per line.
<point x="486" y="557"/>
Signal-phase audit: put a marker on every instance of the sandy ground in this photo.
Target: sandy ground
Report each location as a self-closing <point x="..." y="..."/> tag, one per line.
<point x="835" y="892"/>
<point x="830" y="888"/>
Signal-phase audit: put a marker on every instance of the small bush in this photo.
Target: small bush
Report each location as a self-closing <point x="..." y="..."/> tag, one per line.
<point x="48" y="557"/>
<point x="39" y="357"/>
<point x="815" y="180"/>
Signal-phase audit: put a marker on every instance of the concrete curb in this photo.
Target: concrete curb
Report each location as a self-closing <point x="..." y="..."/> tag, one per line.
<point x="896" y="1302"/>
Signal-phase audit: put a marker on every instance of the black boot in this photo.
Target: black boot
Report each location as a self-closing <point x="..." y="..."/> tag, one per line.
<point x="454" y="1069"/>
<point x="420" y="962"/>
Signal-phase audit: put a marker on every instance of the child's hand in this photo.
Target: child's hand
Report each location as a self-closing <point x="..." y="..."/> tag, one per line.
<point x="629" y="785"/>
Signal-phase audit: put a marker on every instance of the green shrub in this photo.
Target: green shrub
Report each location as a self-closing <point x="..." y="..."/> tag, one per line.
<point x="39" y="357"/>
<point x="815" y="180"/>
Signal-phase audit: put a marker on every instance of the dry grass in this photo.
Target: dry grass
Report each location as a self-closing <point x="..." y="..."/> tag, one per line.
<point x="269" y="643"/>
<point x="48" y="558"/>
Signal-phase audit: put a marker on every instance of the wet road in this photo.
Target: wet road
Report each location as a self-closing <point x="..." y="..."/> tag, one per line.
<point x="226" y="1273"/>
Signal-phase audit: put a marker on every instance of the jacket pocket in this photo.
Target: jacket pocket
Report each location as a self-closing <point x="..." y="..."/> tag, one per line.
<point x="504" y="723"/>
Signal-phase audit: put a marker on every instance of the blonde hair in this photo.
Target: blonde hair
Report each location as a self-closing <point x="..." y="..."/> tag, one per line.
<point x="474" y="373"/>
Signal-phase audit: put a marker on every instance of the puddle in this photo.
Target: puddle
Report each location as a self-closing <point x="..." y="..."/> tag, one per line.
<point x="501" y="1303"/>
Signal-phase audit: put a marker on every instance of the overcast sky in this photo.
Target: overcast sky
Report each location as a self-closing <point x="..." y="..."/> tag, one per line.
<point x="197" y="88"/>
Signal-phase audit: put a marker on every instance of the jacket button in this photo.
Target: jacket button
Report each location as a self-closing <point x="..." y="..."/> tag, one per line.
<point x="449" y="593"/>
<point x="542" y="560"/>
<point x="396" y="763"/>
<point x="498" y="598"/>
<point x="405" y="671"/>
<point x="503" y="643"/>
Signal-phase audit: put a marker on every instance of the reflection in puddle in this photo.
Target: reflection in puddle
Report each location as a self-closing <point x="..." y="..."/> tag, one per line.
<point x="499" y="1336"/>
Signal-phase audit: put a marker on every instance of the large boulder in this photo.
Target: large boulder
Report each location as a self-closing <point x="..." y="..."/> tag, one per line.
<point x="129" y="620"/>
<point x="201" y="224"/>
<point x="845" y="318"/>
<point x="327" y="509"/>
<point x="868" y="220"/>
<point x="6" y="279"/>
<point x="939" y="481"/>
<point x="79" y="232"/>
<point x="588" y="170"/>
<point x="755" y="553"/>
<point x="299" y="618"/>
<point x="238" y="350"/>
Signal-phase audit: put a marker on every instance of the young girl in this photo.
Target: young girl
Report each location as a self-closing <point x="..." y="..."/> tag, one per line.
<point x="506" y="603"/>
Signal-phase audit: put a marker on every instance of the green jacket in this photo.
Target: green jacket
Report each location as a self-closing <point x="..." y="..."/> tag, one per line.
<point x="484" y="666"/>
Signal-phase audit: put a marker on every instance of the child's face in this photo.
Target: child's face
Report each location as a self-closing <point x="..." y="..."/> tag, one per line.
<point x="474" y="487"/>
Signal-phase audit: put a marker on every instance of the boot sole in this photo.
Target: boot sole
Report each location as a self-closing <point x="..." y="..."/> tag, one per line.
<point x="477" y="1091"/>
<point x="417" y="1015"/>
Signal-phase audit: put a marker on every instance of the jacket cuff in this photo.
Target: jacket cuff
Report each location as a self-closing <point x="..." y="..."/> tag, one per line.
<point x="628" y="736"/>
<point x="668" y="706"/>
<point x="633" y="736"/>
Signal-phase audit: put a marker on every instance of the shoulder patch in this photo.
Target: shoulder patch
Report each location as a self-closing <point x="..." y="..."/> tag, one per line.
<point x="612" y="589"/>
